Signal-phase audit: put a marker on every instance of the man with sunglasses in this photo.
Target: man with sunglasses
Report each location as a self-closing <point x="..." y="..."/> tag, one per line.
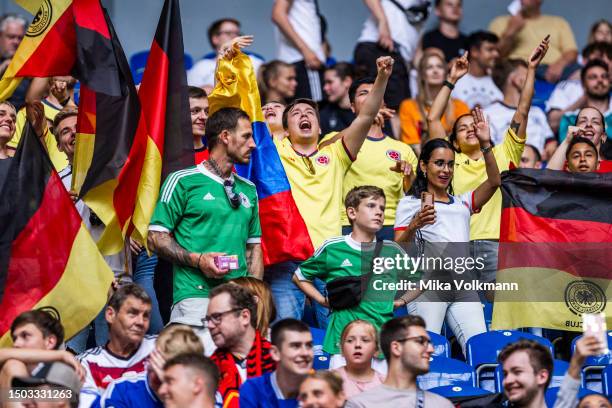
<point x="407" y="349"/>
<point x="242" y="352"/>
<point x="316" y="175"/>
<point x="206" y="214"/>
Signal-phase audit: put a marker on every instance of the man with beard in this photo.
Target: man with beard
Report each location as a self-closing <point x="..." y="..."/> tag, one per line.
<point x="595" y="78"/>
<point x="292" y="350"/>
<point x="206" y="221"/>
<point x="242" y="352"/>
<point x="407" y="349"/>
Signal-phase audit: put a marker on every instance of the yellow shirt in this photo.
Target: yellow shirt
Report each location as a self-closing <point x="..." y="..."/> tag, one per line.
<point x="59" y="159"/>
<point x="469" y="174"/>
<point x="535" y="29"/>
<point x="372" y="168"/>
<point x="318" y="196"/>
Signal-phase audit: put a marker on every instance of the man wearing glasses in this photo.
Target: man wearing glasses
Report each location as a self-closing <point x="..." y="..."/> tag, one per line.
<point x="316" y="176"/>
<point x="206" y="214"/>
<point x="407" y="349"/>
<point x="242" y="352"/>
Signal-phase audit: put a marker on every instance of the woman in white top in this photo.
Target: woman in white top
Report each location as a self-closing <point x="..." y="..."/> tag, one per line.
<point x="447" y="221"/>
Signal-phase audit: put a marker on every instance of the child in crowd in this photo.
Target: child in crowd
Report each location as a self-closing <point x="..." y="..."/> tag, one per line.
<point x="342" y="257"/>
<point x="582" y="156"/>
<point x="359" y="344"/>
<point x="322" y="389"/>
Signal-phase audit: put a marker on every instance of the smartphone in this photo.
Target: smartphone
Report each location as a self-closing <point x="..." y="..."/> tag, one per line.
<point x="426" y="199"/>
<point x="514" y="7"/>
<point x="226" y="262"/>
<point x="594" y="324"/>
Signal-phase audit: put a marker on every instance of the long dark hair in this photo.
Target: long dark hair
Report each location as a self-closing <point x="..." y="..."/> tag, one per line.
<point x="452" y="138"/>
<point x="420" y="184"/>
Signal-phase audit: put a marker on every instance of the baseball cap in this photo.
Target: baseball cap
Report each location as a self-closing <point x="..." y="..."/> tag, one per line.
<point x="56" y="373"/>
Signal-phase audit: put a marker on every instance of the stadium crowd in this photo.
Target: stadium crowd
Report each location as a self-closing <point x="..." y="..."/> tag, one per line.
<point x="404" y="144"/>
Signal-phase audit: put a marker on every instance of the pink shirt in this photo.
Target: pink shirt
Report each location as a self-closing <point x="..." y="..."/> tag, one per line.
<point x="353" y="387"/>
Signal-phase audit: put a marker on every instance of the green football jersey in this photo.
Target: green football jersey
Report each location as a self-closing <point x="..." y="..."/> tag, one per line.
<point x="341" y="257"/>
<point x="194" y="207"/>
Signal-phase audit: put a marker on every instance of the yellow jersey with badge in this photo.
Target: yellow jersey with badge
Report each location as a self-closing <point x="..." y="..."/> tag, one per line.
<point x="469" y="174"/>
<point x="316" y="186"/>
<point x="373" y="168"/>
<point x="59" y="159"/>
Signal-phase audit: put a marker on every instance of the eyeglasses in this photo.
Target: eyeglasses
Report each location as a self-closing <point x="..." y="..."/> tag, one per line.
<point x="422" y="340"/>
<point x="234" y="199"/>
<point x="216" y="318"/>
<point x="309" y="165"/>
<point x="441" y="164"/>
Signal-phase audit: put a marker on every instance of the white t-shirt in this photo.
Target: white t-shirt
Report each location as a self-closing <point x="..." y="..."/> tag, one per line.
<point x="452" y="218"/>
<point x="203" y="72"/>
<point x="306" y="23"/>
<point x="500" y="116"/>
<point x="477" y="91"/>
<point x="403" y="33"/>
<point x="564" y="94"/>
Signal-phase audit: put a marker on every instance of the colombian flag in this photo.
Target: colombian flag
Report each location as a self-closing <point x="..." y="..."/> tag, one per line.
<point x="556" y="244"/>
<point x="47" y="257"/>
<point x="121" y="156"/>
<point x="284" y="233"/>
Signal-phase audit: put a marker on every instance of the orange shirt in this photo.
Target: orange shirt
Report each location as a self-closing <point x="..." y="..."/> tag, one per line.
<point x="412" y="122"/>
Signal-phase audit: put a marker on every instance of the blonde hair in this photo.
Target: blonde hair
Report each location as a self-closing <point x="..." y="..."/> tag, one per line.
<point x="266" y="310"/>
<point x="178" y="339"/>
<point x="331" y="378"/>
<point x="349" y="326"/>
<point x="424" y="97"/>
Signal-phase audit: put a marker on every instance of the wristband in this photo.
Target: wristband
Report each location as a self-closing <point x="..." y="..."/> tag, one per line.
<point x="199" y="259"/>
<point x="487" y="149"/>
<point x="450" y="85"/>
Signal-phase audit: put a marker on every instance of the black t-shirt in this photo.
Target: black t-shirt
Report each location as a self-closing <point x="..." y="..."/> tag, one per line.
<point x="452" y="47"/>
<point x="335" y="119"/>
<point x="5" y="164"/>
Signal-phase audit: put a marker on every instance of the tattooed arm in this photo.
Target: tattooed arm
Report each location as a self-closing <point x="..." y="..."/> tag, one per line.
<point x="254" y="257"/>
<point x="166" y="247"/>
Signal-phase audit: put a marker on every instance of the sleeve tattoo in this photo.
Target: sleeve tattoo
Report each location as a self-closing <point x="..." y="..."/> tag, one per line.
<point x="166" y="247"/>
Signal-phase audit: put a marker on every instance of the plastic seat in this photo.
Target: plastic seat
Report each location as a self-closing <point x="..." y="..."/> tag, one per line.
<point x="482" y="351"/>
<point x="559" y="369"/>
<point x="138" y="62"/>
<point x="551" y="395"/>
<point x="447" y="371"/>
<point x="592" y="370"/>
<point x="321" y="358"/>
<point x="607" y="380"/>
<point x="457" y="391"/>
<point x="441" y="345"/>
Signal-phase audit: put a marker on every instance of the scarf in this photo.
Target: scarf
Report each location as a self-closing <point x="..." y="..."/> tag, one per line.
<point x="258" y="362"/>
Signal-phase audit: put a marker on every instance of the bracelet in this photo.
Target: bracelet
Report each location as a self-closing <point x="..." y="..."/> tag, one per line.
<point x="487" y="149"/>
<point x="199" y="258"/>
<point x="450" y="85"/>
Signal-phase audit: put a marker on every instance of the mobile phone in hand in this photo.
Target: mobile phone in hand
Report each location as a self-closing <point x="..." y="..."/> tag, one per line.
<point x="594" y="324"/>
<point x="426" y="199"/>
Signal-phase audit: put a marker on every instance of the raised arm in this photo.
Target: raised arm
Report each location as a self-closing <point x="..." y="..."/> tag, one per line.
<point x="434" y="118"/>
<point x="519" y="120"/>
<point x="356" y="133"/>
<point x="280" y="17"/>
<point x="485" y="191"/>
<point x="166" y="247"/>
<point x="557" y="161"/>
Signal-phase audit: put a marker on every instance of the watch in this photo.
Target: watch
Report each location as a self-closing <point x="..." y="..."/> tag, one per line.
<point x="487" y="149"/>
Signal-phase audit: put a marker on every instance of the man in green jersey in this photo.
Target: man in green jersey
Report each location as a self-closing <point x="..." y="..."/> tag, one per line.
<point x="342" y="257"/>
<point x="206" y="212"/>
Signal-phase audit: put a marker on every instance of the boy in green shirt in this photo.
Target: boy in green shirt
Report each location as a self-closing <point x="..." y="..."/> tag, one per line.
<point x="342" y="257"/>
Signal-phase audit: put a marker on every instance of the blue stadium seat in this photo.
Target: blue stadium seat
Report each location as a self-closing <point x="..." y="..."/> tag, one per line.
<point x="542" y="91"/>
<point x="441" y="345"/>
<point x="482" y="351"/>
<point x="592" y="371"/>
<point x="551" y="395"/>
<point x="138" y="63"/>
<point x="321" y="358"/>
<point x="447" y="371"/>
<point x="454" y="391"/>
<point x="607" y="380"/>
<point x="487" y="309"/>
<point x="559" y="369"/>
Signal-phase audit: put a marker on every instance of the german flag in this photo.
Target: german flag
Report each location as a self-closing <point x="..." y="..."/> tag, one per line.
<point x="121" y="166"/>
<point x="284" y="233"/>
<point x="47" y="257"/>
<point x="556" y="246"/>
